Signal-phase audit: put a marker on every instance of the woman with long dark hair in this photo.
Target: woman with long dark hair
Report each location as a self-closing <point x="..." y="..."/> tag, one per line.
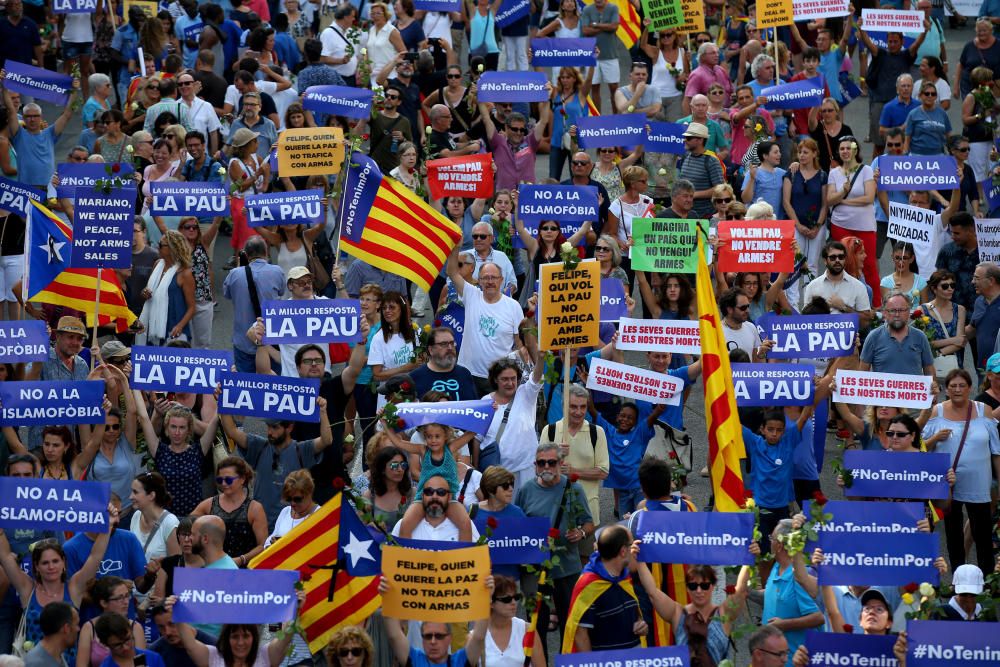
<point x="392" y="350"/>
<point x="391" y="488"/>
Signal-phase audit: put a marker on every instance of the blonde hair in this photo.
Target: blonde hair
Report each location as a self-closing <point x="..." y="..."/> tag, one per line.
<point x="350" y="635"/>
<point x="179" y="248"/>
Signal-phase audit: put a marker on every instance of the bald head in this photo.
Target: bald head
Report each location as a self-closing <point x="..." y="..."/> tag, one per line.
<point x="212" y="528"/>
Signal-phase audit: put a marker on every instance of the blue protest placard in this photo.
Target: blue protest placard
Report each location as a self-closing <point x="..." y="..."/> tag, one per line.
<point x="516" y="540"/>
<point x="873" y="519"/>
<point x="711" y="538"/>
<point x="949" y="644"/>
<point x="665" y="138"/>
<point x="202" y="200"/>
<point x="567" y="227"/>
<point x="285" y="208"/>
<point x="917" y="172"/>
<point x="510" y="11"/>
<point x="272" y="160"/>
<point x="54" y="504"/>
<point x="15" y="197"/>
<point x="312" y="321"/>
<point x="992" y="192"/>
<point x="853" y="559"/>
<point x="438" y="5"/>
<point x="339" y="101"/>
<point x="453" y="317"/>
<point x="36" y="82"/>
<point x="557" y="202"/>
<point x="472" y="416"/>
<point x="512" y="87"/>
<point x="74" y="6"/>
<point x="773" y="384"/>
<point x="44" y="403"/>
<point x="829" y="648"/>
<point x="73" y="175"/>
<point x="613" y="303"/>
<point x="881" y="39"/>
<point x="803" y="94"/>
<point x="811" y="336"/>
<point x="611" y="131"/>
<point x="663" y="656"/>
<point x="897" y="474"/>
<point x="102" y="228"/>
<point x="269" y="397"/>
<point x="193" y="32"/>
<point x="563" y="52"/>
<point x="23" y="340"/>
<point x="178" y="369"/>
<point x="242" y="596"/>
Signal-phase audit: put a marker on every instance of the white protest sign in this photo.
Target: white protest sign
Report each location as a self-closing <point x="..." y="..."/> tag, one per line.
<point x="635" y="383"/>
<point x="988" y="239"/>
<point x="892" y="20"/>
<point x="964" y="7"/>
<point x="677" y="336"/>
<point x="810" y="10"/>
<point x="899" y="391"/>
<point x="919" y="227"/>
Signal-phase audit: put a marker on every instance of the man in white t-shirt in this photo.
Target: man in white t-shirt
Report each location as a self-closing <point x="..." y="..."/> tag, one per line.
<point x="491" y="320"/>
<point x="734" y="304"/>
<point x="842" y="291"/>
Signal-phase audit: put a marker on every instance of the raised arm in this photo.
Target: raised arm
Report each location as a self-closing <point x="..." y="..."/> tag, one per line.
<point x="22" y="583"/>
<point x="78" y="582"/>
<point x="67" y="113"/>
<point x="148" y="432"/>
<point x="453" y="272"/>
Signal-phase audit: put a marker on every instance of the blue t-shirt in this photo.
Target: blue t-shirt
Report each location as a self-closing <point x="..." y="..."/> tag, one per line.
<point x="768" y="186"/>
<point x="36" y="155"/>
<point x="771" y="481"/>
<point x="152" y="659"/>
<point x="785" y="598"/>
<point x="672" y="414"/>
<point x="419" y="659"/>
<point x="829" y="67"/>
<point x="986" y="319"/>
<point x="927" y="130"/>
<point x="123" y="558"/>
<point x="625" y="452"/>
<point x="185" y="26"/>
<point x="894" y="112"/>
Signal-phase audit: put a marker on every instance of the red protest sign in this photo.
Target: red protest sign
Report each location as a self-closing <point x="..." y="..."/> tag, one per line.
<point x="470" y="177"/>
<point x="756" y="246"/>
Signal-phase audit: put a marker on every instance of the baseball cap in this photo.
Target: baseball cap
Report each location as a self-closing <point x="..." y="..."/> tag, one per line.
<point x="70" y="324"/>
<point x="993" y="363"/>
<point x="297" y="272"/>
<point x="967" y="579"/>
<point x="874" y="594"/>
<point x="696" y="130"/>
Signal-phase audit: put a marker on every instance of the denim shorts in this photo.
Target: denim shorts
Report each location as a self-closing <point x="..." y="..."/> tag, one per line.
<point x="77" y="49"/>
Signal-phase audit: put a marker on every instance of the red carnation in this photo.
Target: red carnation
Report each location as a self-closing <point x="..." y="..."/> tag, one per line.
<point x="574" y="478"/>
<point x="554" y="533"/>
<point x="848" y="628"/>
<point x="911" y="587"/>
<point x="730" y="589"/>
<point x="115" y="168"/>
<point x="492" y="523"/>
<point x="672" y="455"/>
<point x="819" y="497"/>
<point x="338" y="483"/>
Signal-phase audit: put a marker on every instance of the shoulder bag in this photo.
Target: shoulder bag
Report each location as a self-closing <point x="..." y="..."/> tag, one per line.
<point x="945" y="505"/>
<point x="943" y="363"/>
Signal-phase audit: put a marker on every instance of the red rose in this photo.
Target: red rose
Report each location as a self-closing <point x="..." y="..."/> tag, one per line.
<point x="747" y="493"/>
<point x="492" y="523"/>
<point x="364" y="137"/>
<point x="848" y="628"/>
<point x="939" y="512"/>
<point x="911" y="587"/>
<point x="672" y="455"/>
<point x="730" y="589"/>
<point x="338" y="483"/>
<point x="406" y="386"/>
<point x="819" y="498"/>
<point x="917" y="313"/>
<point x="400" y="424"/>
<point x="438" y="323"/>
<point x="554" y="533"/>
<point x="306" y="577"/>
<point x="115" y="168"/>
<point x="574" y="478"/>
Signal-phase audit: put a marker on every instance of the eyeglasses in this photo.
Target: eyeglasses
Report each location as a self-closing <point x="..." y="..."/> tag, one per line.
<point x="947" y="285"/>
<point x="356" y="651"/>
<point x="695" y="585"/>
<point x="436" y="636"/>
<point x="580" y="163"/>
<point x="897" y="434"/>
<point x="519" y="130"/>
<point x="894" y="145"/>
<point x="506" y="599"/>
<point x="875" y="609"/>
<point x="549" y="229"/>
<point x="392" y="97"/>
<point x="399" y="465"/>
<point x="114" y="646"/>
<point x="602" y="248"/>
<point x="445" y="343"/>
<point x="777" y="654"/>
<point x="119" y="598"/>
<point x="547" y="463"/>
<point x="480" y="237"/>
<point x="312" y="361"/>
<point x="836" y="258"/>
<point x="605" y="150"/>
<point x="454" y="76"/>
<point x="227" y="481"/>
<point x="184" y="84"/>
<point x="431" y="491"/>
<point x="897" y="311"/>
<point x="114" y="427"/>
<point x="187" y="228"/>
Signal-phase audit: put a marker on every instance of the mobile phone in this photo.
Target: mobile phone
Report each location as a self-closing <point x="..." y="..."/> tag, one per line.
<point x="411" y="56"/>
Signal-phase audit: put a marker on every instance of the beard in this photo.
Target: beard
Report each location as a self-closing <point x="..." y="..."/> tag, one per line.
<point x="897" y="325"/>
<point x="433" y="509"/>
<point x="547" y="476"/>
<point x="197" y="548"/>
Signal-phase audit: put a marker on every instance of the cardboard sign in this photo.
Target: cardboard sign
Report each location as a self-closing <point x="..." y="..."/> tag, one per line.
<point x="453" y="317"/>
<point x="803" y="94"/>
<point x="897" y="474"/>
<point x="312" y="321"/>
<point x="709" y="538"/>
<point x="611" y="131"/>
<point x="665" y="138"/>
<point x="988" y="239"/>
<point x="339" y="101"/>
<point x="664" y="656"/>
<point x="635" y="383"/>
<point x="311" y="151"/>
<point x="676" y="336"/>
<point x="773" y="384"/>
<point x="917" y="172"/>
<point x="568" y="315"/>
<point x="202" y="200"/>
<point x="42" y="403"/>
<point x="917" y="226"/>
<point x="892" y="20"/>
<point x="756" y="246"/>
<point x="663" y="13"/>
<point x="269" y="397"/>
<point x="467" y="176"/>
<point x="828" y="648"/>
<point x="867" y="388"/>
<point x="613" y="303"/>
<point x="516" y="540"/>
<point x="74" y="6"/>
<point x="54" y="504"/>
<point x="285" y="208"/>
<point x="992" y="193"/>
<point x="26" y="340"/>
<point x="811" y="336"/>
<point x="512" y="87"/>
<point x="857" y="560"/>
<point x="773" y="13"/>
<point x="810" y="10"/>
<point x="16" y="197"/>
<point x="242" y="596"/>
<point x="557" y="202"/>
<point x="84" y="175"/>
<point x="177" y="369"/>
<point x="102" y="228"/>
<point x="665" y="245"/>
<point x="563" y="52"/>
<point x="436" y="586"/>
<point x="475" y="416"/>
<point x="947" y="644"/>
<point x="694" y="17"/>
<point x="36" y="82"/>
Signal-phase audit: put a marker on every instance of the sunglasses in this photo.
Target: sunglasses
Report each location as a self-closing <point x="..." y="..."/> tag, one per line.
<point x="312" y="361"/>
<point x="182" y="84"/>
<point x="356" y="651"/>
<point x="929" y="93"/>
<point x="964" y="149"/>
<point x="506" y="486"/>
<point x="897" y="434"/>
<point x="549" y="229"/>
<point x="695" y="585"/>
<point x="454" y="76"/>
<point x="440" y="493"/>
<point x="580" y="163"/>
<point x="399" y="465"/>
<point x="506" y="599"/>
<point x="187" y="228"/>
<point x="296" y="499"/>
<point x="726" y="200"/>
<point x="602" y="248"/>
<point x="947" y="285"/>
<point x="480" y="237"/>
<point x="225" y="480"/>
<point x="894" y="145"/>
<point x="746" y="307"/>
<point x="836" y="258"/>
<point x="547" y="463"/>
<point x="605" y="150"/>
<point x="114" y="427"/>
<point x="438" y="636"/>
<point x="519" y="130"/>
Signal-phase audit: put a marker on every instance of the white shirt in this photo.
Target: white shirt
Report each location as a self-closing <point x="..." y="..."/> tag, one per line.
<point x="511" y="655"/>
<point x="746" y="337"/>
<point x="849" y="289"/>
<point x="158" y="545"/>
<point x="334" y="40"/>
<point x="519" y="440"/>
<point x="445" y="531"/>
<point x="282" y="100"/>
<point x="285" y="523"/>
<point x="436" y="25"/>
<point x="202" y="116"/>
<point x="490" y="329"/>
<point x="288" y="350"/>
<point x="389" y="354"/>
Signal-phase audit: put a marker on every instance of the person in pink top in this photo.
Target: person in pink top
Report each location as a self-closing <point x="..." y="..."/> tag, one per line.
<point x="746" y="106"/>
<point x="705" y="74"/>
<point x="514" y="148"/>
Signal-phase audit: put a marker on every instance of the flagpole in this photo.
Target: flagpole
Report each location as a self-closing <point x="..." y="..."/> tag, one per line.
<point x="97" y="310"/>
<point x="565" y="435"/>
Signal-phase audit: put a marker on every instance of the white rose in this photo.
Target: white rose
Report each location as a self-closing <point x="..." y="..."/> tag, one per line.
<point x="630" y="108"/>
<point x="130" y="149"/>
<point x="566" y="247"/>
<point x="926" y="590"/>
<point x="662" y="172"/>
<point x="222" y="171"/>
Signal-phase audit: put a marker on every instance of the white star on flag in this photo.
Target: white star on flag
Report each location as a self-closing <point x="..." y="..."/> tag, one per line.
<point x="52" y="248"/>
<point x="358" y="549"/>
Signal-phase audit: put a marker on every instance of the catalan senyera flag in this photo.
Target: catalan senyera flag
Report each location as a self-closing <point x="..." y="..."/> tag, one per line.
<point x="594" y="581"/>
<point x="48" y="277"/>
<point x="725" y="436"/>
<point x="386" y="224"/>
<point x="592" y="109"/>
<point x="630" y="25"/>
<point x="313" y="548"/>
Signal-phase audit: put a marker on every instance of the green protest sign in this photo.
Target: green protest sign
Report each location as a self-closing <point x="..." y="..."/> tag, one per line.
<point x="663" y="13"/>
<point x="665" y="245"/>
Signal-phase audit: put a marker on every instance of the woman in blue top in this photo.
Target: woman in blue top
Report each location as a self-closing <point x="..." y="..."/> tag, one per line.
<point x="497" y="485"/>
<point x="764" y="182"/>
<point x="927" y="126"/>
<point x="569" y="102"/>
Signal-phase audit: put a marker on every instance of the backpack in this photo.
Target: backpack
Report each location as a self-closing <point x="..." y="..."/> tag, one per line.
<point x="593" y="433"/>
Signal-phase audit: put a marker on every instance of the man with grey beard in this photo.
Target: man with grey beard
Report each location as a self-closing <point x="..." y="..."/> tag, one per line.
<point x="896" y="347"/>
<point x="435" y="525"/>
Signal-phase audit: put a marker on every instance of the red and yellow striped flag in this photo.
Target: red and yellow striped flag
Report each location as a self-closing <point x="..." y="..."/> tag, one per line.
<point x="312" y="549"/>
<point x="629" y="26"/>
<point x="725" y="435"/>
<point x="592" y="109"/>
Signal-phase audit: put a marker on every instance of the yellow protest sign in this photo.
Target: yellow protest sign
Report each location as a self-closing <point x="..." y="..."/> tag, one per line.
<point x="569" y="306"/>
<point x="772" y="13"/>
<point x="694" y="17"/>
<point x="149" y="7"/>
<point x="436" y="586"/>
<point x="310" y="151"/>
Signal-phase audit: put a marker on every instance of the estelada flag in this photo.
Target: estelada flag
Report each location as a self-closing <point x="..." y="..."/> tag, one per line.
<point x="48" y="277"/>
<point x="725" y="434"/>
<point x="469" y="176"/>
<point x="334" y="599"/>
<point x="386" y="224"/>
